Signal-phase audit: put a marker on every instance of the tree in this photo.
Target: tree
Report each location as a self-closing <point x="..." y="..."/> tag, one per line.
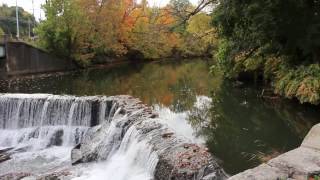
<point x="180" y="8"/>
<point x="8" y="20"/>
<point x="151" y="33"/>
<point x="58" y="33"/>
<point x="271" y="27"/>
<point x="88" y="29"/>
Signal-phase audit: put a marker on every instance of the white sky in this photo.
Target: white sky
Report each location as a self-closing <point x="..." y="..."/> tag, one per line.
<point x="27" y="5"/>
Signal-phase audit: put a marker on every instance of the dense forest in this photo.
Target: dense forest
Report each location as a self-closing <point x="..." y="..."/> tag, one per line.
<point x="270" y="40"/>
<point x="90" y="30"/>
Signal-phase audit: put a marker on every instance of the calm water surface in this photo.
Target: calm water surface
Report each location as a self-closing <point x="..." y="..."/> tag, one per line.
<point x="240" y="129"/>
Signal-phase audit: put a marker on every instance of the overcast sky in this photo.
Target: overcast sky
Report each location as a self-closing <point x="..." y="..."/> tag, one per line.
<point x="27" y="5"/>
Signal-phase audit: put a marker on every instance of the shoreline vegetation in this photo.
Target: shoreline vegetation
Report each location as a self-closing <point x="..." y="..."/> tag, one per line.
<point x="277" y="43"/>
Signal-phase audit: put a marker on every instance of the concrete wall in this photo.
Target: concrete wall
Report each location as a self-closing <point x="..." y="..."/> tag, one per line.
<point x="22" y="59"/>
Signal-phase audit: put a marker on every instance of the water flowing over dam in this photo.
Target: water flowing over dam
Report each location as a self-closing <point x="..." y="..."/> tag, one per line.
<point x="117" y="133"/>
<point x="44" y="119"/>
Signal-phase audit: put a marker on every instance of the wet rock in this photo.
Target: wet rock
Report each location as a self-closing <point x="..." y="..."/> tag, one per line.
<point x="5" y="155"/>
<point x="180" y="163"/>
<point x="56" y="139"/>
<point x="167" y="135"/>
<point x="14" y="176"/>
<point x="5" y="150"/>
<point x="62" y="175"/>
<point x="76" y="156"/>
<point x="154" y="115"/>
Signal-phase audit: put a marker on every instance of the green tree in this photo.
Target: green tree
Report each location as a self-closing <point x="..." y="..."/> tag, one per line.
<point x="265" y="27"/>
<point x="57" y="33"/>
<point x="199" y="37"/>
<point x="8" y="20"/>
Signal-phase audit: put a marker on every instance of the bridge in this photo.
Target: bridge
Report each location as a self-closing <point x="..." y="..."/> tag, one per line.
<point x="20" y="58"/>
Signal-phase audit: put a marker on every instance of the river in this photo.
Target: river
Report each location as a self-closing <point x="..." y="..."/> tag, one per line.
<point x="241" y="129"/>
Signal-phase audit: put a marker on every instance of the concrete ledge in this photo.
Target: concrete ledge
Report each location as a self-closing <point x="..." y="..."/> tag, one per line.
<point x="262" y="172"/>
<point x="312" y="140"/>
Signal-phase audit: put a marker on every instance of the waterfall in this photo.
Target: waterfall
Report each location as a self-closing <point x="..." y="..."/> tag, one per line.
<point x="37" y="122"/>
<point x="134" y="159"/>
<point x="24" y="111"/>
<point x="40" y="120"/>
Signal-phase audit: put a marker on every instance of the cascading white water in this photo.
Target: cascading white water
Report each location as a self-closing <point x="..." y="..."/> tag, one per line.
<point x="23" y="111"/>
<point x="134" y="159"/>
<point x="41" y="120"/>
<point x="45" y="127"/>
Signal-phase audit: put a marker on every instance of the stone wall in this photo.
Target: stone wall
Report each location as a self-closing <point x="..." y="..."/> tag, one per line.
<point x="22" y="59"/>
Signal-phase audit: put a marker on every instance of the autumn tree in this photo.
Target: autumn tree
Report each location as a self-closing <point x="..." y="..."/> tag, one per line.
<point x="151" y="32"/>
<point x="87" y="30"/>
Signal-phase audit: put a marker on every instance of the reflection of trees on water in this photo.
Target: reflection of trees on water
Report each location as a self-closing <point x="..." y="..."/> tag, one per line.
<point x="300" y="118"/>
<point x="184" y="94"/>
<point x="154" y="83"/>
<point x="241" y="130"/>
